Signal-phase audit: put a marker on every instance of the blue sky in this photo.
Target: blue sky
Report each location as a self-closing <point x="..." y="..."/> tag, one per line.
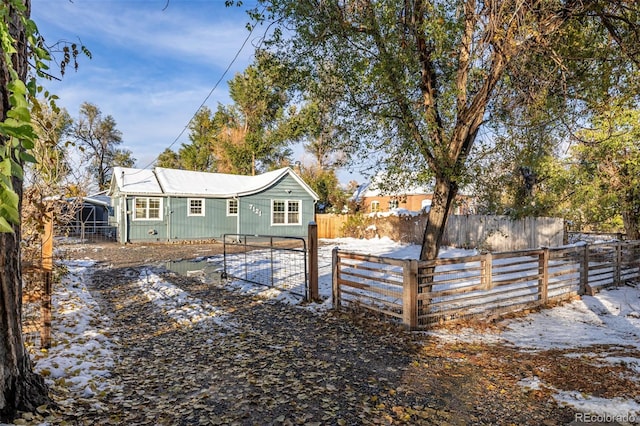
<point x="154" y="63"/>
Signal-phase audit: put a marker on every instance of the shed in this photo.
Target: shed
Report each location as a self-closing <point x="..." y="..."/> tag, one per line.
<point x="86" y="215"/>
<point x="173" y="205"/>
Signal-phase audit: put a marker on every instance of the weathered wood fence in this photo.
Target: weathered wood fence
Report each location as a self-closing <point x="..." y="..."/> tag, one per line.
<point x="486" y="232"/>
<point x="421" y="293"/>
<point x="37" y="281"/>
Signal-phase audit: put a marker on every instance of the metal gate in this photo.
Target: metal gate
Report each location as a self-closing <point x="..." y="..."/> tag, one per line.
<point x="267" y="260"/>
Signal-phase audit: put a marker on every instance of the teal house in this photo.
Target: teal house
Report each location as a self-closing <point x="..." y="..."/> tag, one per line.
<point x="163" y="205"/>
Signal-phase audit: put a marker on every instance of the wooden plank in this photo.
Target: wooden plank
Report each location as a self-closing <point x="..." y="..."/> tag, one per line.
<point x="362" y="267"/>
<point x="449" y="261"/>
<point x="363" y="298"/>
<point x="494" y="295"/>
<point x="477" y="307"/>
<point x="372" y="259"/>
<point x="453" y="292"/>
<point x="524" y="279"/>
<point x="604" y="281"/>
<point x="370" y="278"/>
<point x="601" y="266"/>
<point x="516" y="253"/>
<point x="562" y="272"/>
<point x="516" y="262"/>
<point x="453" y="281"/>
<point x="436" y="271"/>
<point x="370" y="298"/>
<point x="367" y="287"/>
<point x="496" y="312"/>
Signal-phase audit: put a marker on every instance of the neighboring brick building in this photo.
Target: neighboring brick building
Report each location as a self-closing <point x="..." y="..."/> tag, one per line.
<point x="372" y="200"/>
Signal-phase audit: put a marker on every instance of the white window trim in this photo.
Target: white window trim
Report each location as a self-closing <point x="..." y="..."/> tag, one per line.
<point x="229" y="205"/>
<point x="161" y="212"/>
<point x="375" y="203"/>
<point x="189" y="200"/>
<point x="286" y="213"/>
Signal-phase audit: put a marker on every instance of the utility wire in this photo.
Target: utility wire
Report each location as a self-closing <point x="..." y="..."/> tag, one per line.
<point x="184" y="129"/>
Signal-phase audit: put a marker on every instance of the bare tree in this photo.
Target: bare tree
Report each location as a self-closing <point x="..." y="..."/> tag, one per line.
<point x="98" y="138"/>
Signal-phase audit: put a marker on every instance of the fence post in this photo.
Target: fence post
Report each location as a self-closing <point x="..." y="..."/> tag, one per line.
<point x="618" y="260"/>
<point x="487" y="273"/>
<point x="271" y="275"/>
<point x="584" y="272"/>
<point x="543" y="271"/>
<point x="47" y="267"/>
<point x="410" y="294"/>
<point x="335" y="276"/>
<point x="313" y="262"/>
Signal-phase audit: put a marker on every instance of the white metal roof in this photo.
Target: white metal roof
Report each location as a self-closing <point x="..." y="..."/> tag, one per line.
<point x="191" y="183"/>
<point x="135" y="181"/>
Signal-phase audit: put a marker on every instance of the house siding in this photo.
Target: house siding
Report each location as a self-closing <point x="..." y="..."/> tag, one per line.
<point x="254" y="216"/>
<point x="146" y="230"/>
<point x="213" y="224"/>
<point x="255" y="210"/>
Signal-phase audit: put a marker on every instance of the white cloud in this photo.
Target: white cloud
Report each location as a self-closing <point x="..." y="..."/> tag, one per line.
<point x="204" y="32"/>
<point x="151" y="69"/>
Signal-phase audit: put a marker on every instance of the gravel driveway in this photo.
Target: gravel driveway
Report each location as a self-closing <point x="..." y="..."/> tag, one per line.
<point x="264" y="362"/>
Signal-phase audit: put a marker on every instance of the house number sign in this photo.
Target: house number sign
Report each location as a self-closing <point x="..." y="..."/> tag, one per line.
<point x="255" y="210"/>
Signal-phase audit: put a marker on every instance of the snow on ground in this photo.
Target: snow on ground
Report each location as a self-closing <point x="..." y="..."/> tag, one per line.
<point x="612" y="317"/>
<point x="81" y="355"/>
<point x="177" y="303"/>
<point x="82" y="352"/>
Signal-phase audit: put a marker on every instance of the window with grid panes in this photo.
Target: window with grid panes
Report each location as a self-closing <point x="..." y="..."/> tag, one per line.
<point x="196" y="207"/>
<point x="285" y="212"/>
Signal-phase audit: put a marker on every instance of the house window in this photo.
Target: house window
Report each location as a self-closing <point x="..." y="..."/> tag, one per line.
<point x="285" y="212"/>
<point x="196" y="207"/>
<point x="393" y="204"/>
<point x="147" y="208"/>
<point x="375" y="206"/>
<point x="232" y="207"/>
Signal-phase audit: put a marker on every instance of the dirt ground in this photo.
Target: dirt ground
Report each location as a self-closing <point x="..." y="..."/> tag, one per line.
<point x="280" y="364"/>
<point x="116" y="255"/>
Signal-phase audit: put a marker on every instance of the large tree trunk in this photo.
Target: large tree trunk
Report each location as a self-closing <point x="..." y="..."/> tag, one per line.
<point x="20" y="388"/>
<point x="444" y="194"/>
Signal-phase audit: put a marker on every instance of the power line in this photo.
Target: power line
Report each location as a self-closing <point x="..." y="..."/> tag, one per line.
<point x="184" y="129"/>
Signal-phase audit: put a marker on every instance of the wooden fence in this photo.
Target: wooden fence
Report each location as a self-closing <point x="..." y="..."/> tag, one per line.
<point x="37" y="281"/>
<point x="486" y="232"/>
<point x="421" y="293"/>
<point x="331" y="225"/>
